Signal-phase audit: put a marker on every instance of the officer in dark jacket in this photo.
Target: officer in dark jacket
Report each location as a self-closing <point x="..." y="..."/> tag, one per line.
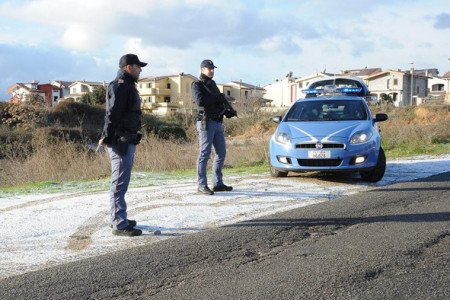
<point x="210" y="104"/>
<point x="120" y="136"/>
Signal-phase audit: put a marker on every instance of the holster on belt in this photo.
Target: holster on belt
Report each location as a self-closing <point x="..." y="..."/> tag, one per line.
<point x="123" y="141"/>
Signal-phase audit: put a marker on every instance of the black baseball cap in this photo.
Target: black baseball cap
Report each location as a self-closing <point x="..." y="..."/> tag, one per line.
<point x="207" y="63"/>
<point x="130" y="59"/>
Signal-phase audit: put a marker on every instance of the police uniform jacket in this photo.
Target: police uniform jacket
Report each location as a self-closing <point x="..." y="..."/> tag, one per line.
<point x="123" y="108"/>
<point x="206" y="94"/>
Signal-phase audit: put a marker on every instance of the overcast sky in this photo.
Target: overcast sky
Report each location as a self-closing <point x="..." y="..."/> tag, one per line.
<point x="256" y="41"/>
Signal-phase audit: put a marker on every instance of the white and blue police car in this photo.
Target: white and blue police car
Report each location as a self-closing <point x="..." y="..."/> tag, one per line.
<point x="331" y="129"/>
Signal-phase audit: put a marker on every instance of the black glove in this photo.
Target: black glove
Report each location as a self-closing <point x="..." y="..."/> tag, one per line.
<point x="229" y="113"/>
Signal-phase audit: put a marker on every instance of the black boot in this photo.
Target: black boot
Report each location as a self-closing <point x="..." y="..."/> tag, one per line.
<point x="127" y="231"/>
<point x="222" y="188"/>
<point x="205" y="190"/>
<point x="131" y="223"/>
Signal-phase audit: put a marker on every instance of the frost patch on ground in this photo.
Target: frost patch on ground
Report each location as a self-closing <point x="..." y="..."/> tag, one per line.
<point x="49" y="229"/>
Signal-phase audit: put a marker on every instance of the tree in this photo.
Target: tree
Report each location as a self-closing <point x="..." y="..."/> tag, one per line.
<point x="386" y="99"/>
<point x="35" y="99"/>
<point x="97" y="96"/>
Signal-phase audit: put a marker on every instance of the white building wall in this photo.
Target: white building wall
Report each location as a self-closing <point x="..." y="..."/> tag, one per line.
<point x="279" y="92"/>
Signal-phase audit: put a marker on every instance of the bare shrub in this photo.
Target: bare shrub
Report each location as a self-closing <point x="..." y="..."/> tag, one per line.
<point x="250" y="112"/>
<point x="245" y="152"/>
<point x="155" y="154"/>
<point x="56" y="158"/>
<point x="58" y="161"/>
<point x="416" y="127"/>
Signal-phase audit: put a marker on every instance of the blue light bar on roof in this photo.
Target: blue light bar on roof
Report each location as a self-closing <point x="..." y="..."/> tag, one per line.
<point x="332" y="89"/>
<point x="313" y="91"/>
<point x="348" y="90"/>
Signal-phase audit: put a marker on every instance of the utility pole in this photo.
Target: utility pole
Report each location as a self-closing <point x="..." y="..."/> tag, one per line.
<point x="240" y="88"/>
<point x="448" y="82"/>
<point x="412" y="81"/>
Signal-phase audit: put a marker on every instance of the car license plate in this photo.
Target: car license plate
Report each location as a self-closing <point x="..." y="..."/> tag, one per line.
<point x="319" y="154"/>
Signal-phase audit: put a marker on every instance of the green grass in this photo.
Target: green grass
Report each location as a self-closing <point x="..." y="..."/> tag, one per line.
<point x="412" y="150"/>
<point x="138" y="179"/>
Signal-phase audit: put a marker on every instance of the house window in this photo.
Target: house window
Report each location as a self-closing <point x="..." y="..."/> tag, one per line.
<point x="437" y="87"/>
<point x="387" y="84"/>
<point x="140" y="85"/>
<point x="168" y="85"/>
<point x="246" y="93"/>
<point x="300" y="84"/>
<point x="149" y="85"/>
<point x="228" y="93"/>
<point x="417" y="90"/>
<point x="55" y="98"/>
<point x="395" y="81"/>
<point x="74" y="90"/>
<point x="167" y="99"/>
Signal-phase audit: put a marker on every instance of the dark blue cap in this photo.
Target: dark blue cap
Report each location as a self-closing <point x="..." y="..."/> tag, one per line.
<point x="130" y="59"/>
<point x="207" y="63"/>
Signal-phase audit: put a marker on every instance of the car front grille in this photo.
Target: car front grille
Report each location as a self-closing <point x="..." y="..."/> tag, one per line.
<point x="320" y="162"/>
<point x="324" y="146"/>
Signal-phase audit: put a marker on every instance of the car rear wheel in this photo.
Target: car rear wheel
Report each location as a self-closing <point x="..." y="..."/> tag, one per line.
<point x="275" y="173"/>
<point x="376" y="173"/>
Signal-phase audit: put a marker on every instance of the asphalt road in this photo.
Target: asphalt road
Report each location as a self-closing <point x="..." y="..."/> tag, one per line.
<point x="391" y="242"/>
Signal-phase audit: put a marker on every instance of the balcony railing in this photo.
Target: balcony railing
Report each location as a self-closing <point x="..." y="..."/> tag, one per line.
<point x="154" y="91"/>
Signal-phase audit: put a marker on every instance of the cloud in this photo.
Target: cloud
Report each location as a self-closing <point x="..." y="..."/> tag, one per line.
<point x="83" y="25"/>
<point x="284" y="44"/>
<point x="80" y="37"/>
<point x="25" y="64"/>
<point x="442" y="21"/>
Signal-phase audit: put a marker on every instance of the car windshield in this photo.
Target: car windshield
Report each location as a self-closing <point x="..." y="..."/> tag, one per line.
<point x="327" y="110"/>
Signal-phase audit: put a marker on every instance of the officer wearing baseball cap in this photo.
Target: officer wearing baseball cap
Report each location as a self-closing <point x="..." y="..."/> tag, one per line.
<point x="207" y="63"/>
<point x="121" y="134"/>
<point x="130" y="59"/>
<point x="210" y="105"/>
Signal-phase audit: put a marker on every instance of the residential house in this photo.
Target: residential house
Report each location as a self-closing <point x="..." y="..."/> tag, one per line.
<point x="240" y="91"/>
<point x="64" y="86"/>
<point x="162" y="95"/>
<point x="446" y="76"/>
<point x="282" y="93"/>
<point x="19" y="91"/>
<point x="361" y="73"/>
<point x="439" y="87"/>
<point x="52" y="93"/>
<point x="397" y="85"/>
<point x="302" y="83"/>
<point x="427" y="72"/>
<point x="78" y="88"/>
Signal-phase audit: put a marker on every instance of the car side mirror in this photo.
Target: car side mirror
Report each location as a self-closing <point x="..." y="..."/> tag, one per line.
<point x="380" y="117"/>
<point x="277" y="119"/>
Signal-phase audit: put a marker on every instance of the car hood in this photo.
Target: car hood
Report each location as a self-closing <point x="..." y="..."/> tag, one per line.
<point x="323" y="131"/>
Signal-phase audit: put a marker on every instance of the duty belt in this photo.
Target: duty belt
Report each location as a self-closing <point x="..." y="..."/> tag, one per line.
<point x="215" y="117"/>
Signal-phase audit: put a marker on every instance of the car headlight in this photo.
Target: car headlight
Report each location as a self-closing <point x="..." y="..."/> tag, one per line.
<point x="360" y="137"/>
<point x="283" y="138"/>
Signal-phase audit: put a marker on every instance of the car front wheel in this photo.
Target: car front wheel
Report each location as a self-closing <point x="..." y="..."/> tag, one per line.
<point x="376" y="173"/>
<point x="275" y="173"/>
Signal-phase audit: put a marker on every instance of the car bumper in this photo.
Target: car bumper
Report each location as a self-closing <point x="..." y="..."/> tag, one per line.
<point x="289" y="158"/>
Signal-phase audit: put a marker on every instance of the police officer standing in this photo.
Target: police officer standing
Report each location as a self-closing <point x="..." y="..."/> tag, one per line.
<point x="210" y="105"/>
<point x="120" y="136"/>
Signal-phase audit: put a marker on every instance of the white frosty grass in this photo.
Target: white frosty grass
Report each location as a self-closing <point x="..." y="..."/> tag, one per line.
<point x="41" y="230"/>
